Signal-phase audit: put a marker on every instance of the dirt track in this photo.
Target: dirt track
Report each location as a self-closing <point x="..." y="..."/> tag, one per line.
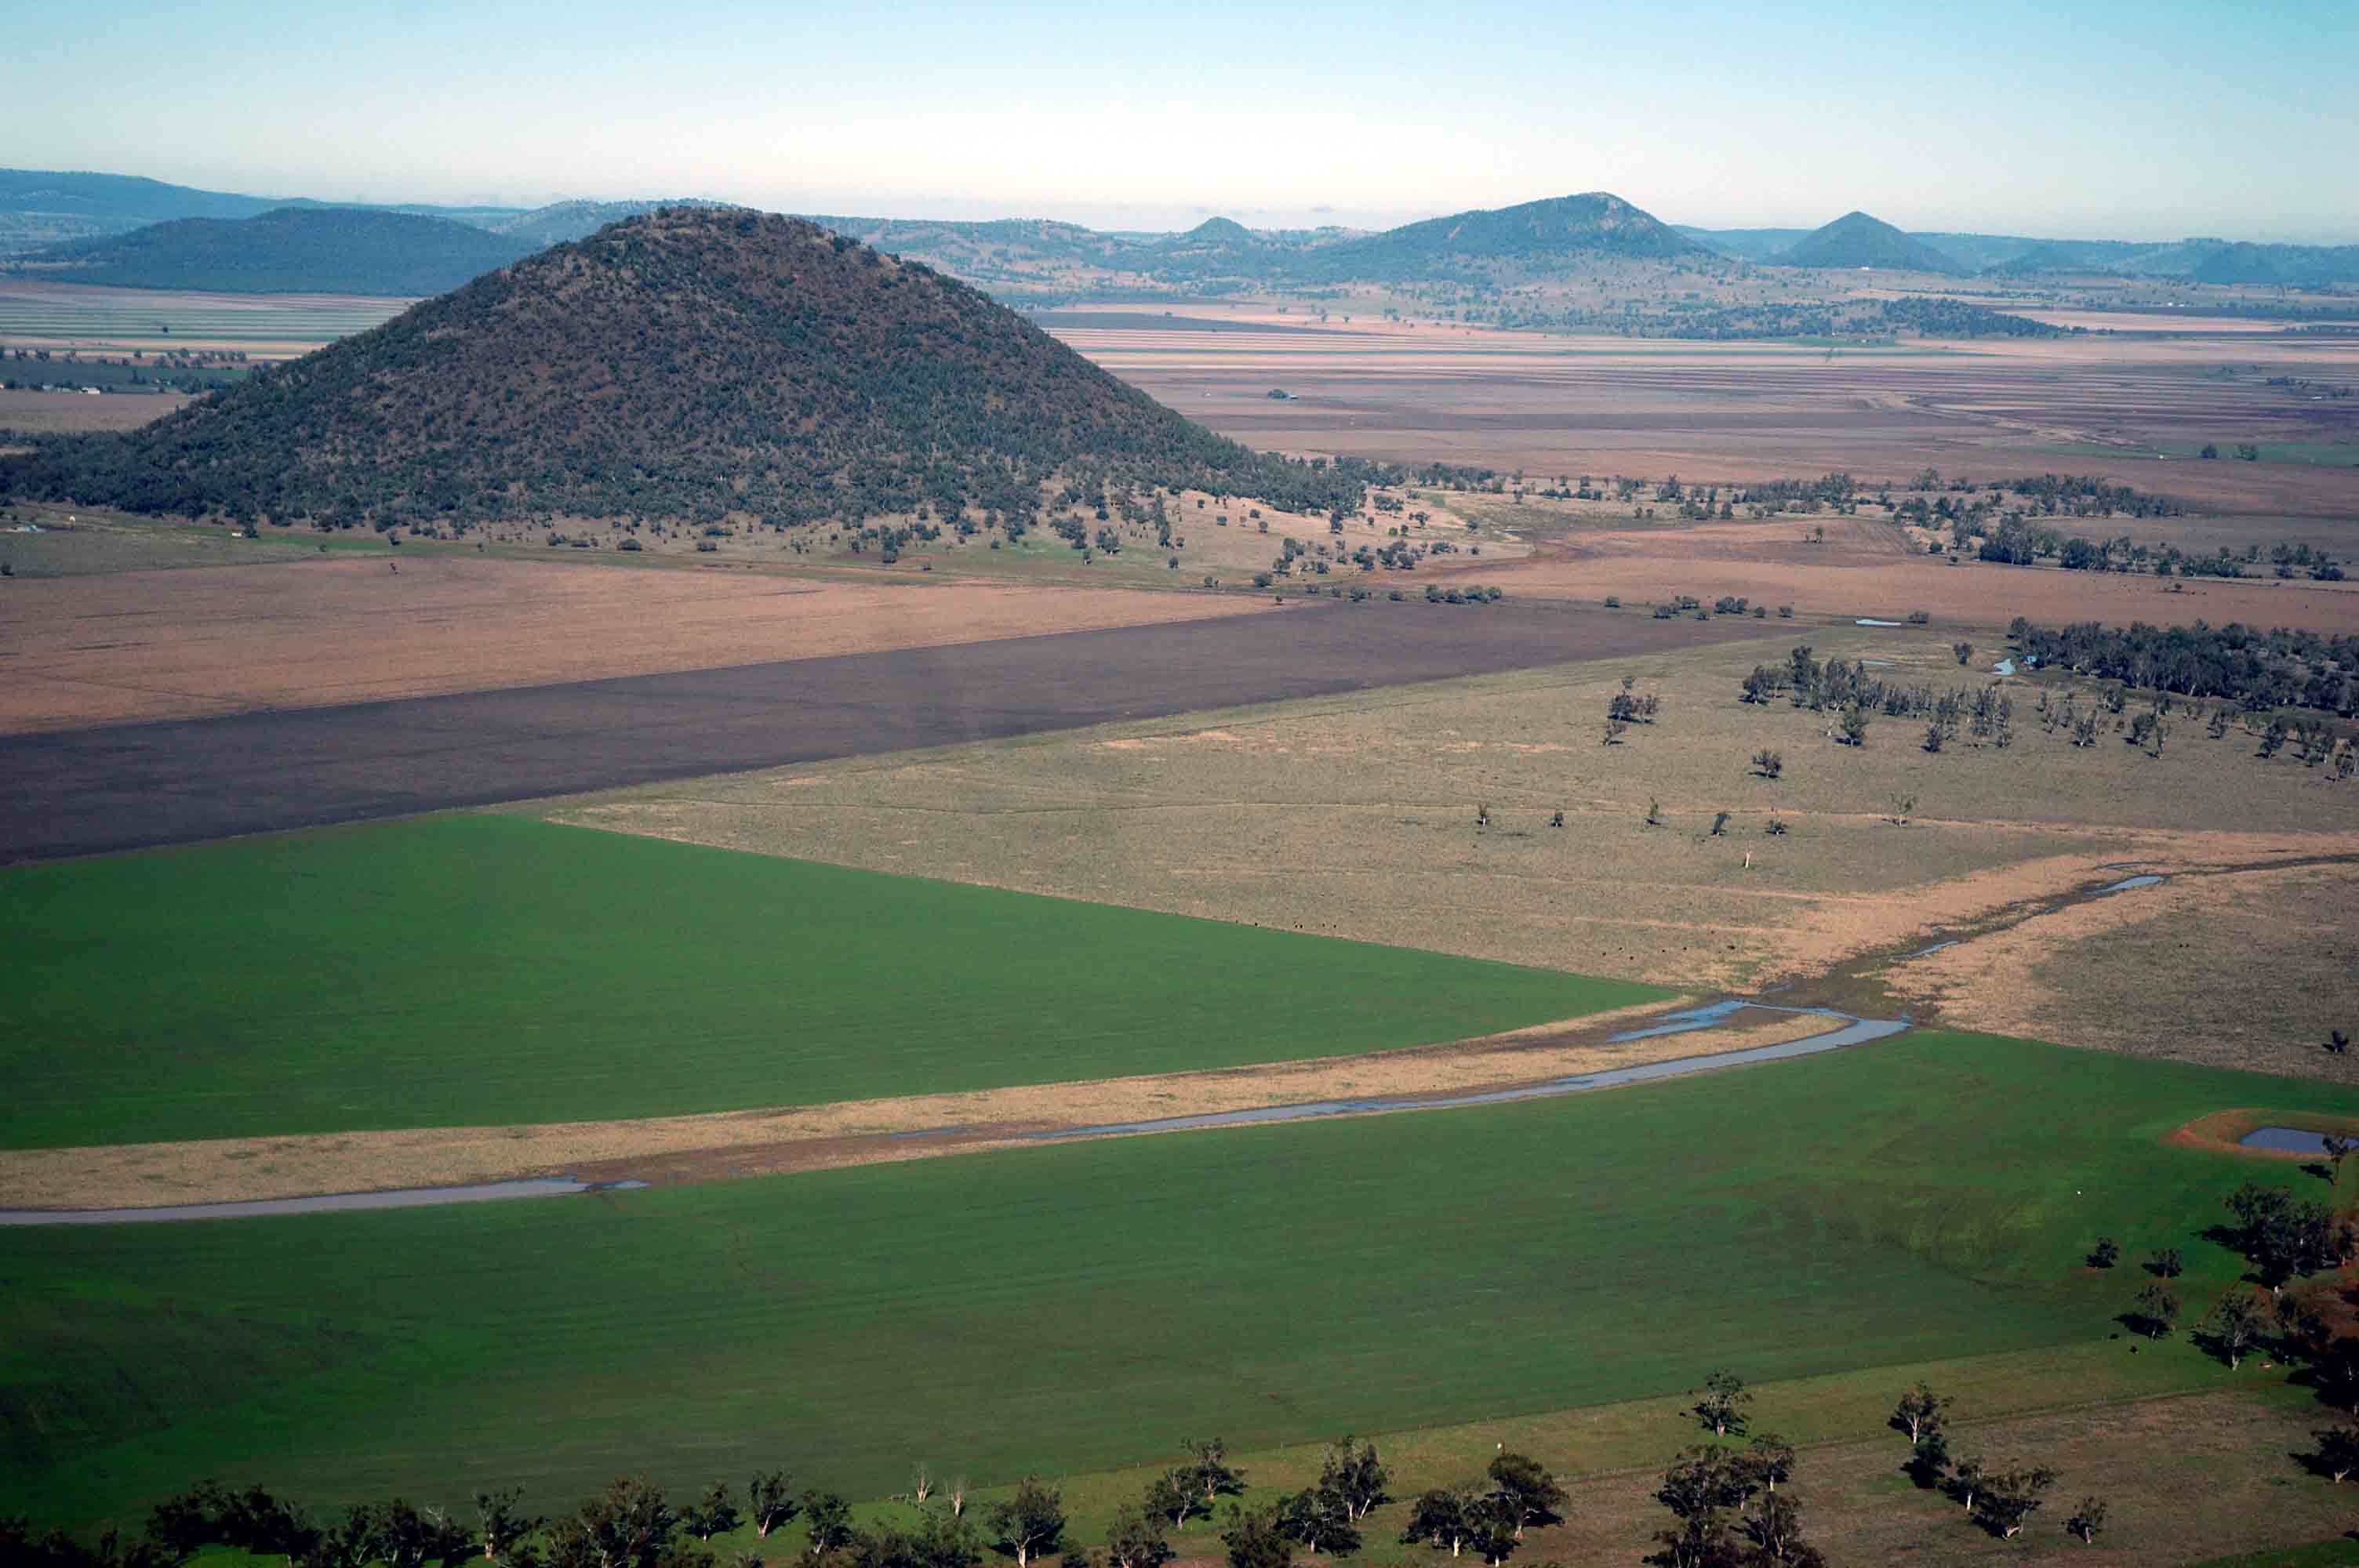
<point x="128" y="786"/>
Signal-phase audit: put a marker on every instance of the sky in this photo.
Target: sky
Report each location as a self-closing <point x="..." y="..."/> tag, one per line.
<point x="2100" y="119"/>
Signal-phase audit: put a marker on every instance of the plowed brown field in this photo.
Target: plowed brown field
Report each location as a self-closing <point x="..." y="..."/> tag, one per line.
<point x="146" y="646"/>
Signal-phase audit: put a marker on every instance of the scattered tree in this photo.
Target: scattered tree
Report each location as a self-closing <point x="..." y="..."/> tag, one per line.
<point x="1767" y="763"/>
<point x="2233" y="1327"/>
<point x="1919" y="1413"/>
<point x="2156" y="1310"/>
<point x="2008" y="1501"/>
<point x="1029" y="1522"/>
<point x="1137" y="1540"/>
<point x="1700" y="1490"/>
<point x="1966" y="1483"/>
<point x="628" y="1525"/>
<point x="1318" y="1519"/>
<point x="2338" y="1452"/>
<point x="2088" y="1519"/>
<point x="501" y="1522"/>
<point x="1353" y="1473"/>
<point x="1445" y="1515"/>
<point x="1209" y="1472"/>
<point x="712" y="1514"/>
<point x="1720" y="1404"/>
<point x="827" y="1519"/>
<point x="1171" y="1495"/>
<point x="1929" y="1458"/>
<point x="768" y="1502"/>
<point x="1254" y="1541"/>
<point x="2105" y="1253"/>
<point x="1525" y="1492"/>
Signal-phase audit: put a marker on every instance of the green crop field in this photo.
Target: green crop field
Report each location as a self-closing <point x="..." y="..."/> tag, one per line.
<point x="1083" y="1307"/>
<point x="489" y="969"/>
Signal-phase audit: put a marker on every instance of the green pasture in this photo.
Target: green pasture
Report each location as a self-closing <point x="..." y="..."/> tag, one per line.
<point x="1081" y="1308"/>
<point x="488" y="969"/>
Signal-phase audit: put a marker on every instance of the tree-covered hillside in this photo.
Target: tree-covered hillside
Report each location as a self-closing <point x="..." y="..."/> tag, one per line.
<point x="690" y="363"/>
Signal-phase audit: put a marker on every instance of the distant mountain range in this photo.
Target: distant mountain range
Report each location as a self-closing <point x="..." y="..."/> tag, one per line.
<point x="291" y="250"/>
<point x="1858" y="240"/>
<point x="52" y="225"/>
<point x="41" y="209"/>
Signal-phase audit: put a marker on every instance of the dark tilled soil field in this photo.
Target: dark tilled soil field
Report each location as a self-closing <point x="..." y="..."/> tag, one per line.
<point x="136" y="785"/>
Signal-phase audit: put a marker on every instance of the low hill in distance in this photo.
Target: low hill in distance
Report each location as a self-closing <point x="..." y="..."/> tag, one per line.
<point x="689" y="365"/>
<point x="1532" y="236"/>
<point x="291" y="250"/>
<point x="562" y="220"/>
<point x="1857" y="240"/>
<point x="41" y="206"/>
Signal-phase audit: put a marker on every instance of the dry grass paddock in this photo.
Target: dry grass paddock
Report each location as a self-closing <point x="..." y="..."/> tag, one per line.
<point x="1356" y="816"/>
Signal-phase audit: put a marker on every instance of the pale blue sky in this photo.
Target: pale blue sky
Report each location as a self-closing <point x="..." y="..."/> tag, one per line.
<point x="2102" y="119"/>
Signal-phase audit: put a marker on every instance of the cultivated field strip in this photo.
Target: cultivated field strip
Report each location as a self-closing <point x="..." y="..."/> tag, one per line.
<point x="52" y="313"/>
<point x="129" y="786"/>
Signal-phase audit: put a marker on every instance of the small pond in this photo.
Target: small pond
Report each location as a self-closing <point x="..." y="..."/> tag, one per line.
<point x="2145" y="880"/>
<point x="2286" y="1139"/>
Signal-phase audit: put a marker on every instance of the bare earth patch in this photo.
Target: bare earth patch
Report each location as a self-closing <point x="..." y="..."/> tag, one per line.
<point x="61" y="413"/>
<point x="328" y="630"/>
<point x="691" y="1148"/>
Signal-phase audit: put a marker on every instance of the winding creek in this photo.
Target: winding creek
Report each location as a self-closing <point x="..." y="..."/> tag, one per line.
<point x="1842" y="1028"/>
<point x="1845" y="1030"/>
<point x="326" y="1203"/>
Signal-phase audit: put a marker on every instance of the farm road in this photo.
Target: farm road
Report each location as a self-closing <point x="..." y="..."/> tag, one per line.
<point x="78" y="791"/>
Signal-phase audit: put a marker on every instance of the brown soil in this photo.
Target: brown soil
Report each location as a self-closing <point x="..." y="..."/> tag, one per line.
<point x="695" y="1148"/>
<point x="1552" y="404"/>
<point x="90" y="790"/>
<point x="332" y="628"/>
<point x="59" y="413"/>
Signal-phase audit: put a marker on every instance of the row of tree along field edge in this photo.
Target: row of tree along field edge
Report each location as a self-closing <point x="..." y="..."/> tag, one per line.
<point x="492" y="969"/>
<point x="1078" y="1308"/>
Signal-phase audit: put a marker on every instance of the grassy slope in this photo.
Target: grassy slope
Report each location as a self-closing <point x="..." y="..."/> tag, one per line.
<point x="1080" y="1308"/>
<point x="485" y="969"/>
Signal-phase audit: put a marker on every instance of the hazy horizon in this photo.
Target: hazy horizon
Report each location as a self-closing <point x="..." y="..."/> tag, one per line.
<point x="2147" y="123"/>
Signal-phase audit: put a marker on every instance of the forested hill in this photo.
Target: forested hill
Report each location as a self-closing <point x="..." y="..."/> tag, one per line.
<point x="293" y="250"/>
<point x="1856" y="240"/>
<point x="684" y="363"/>
<point x="1547" y="234"/>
